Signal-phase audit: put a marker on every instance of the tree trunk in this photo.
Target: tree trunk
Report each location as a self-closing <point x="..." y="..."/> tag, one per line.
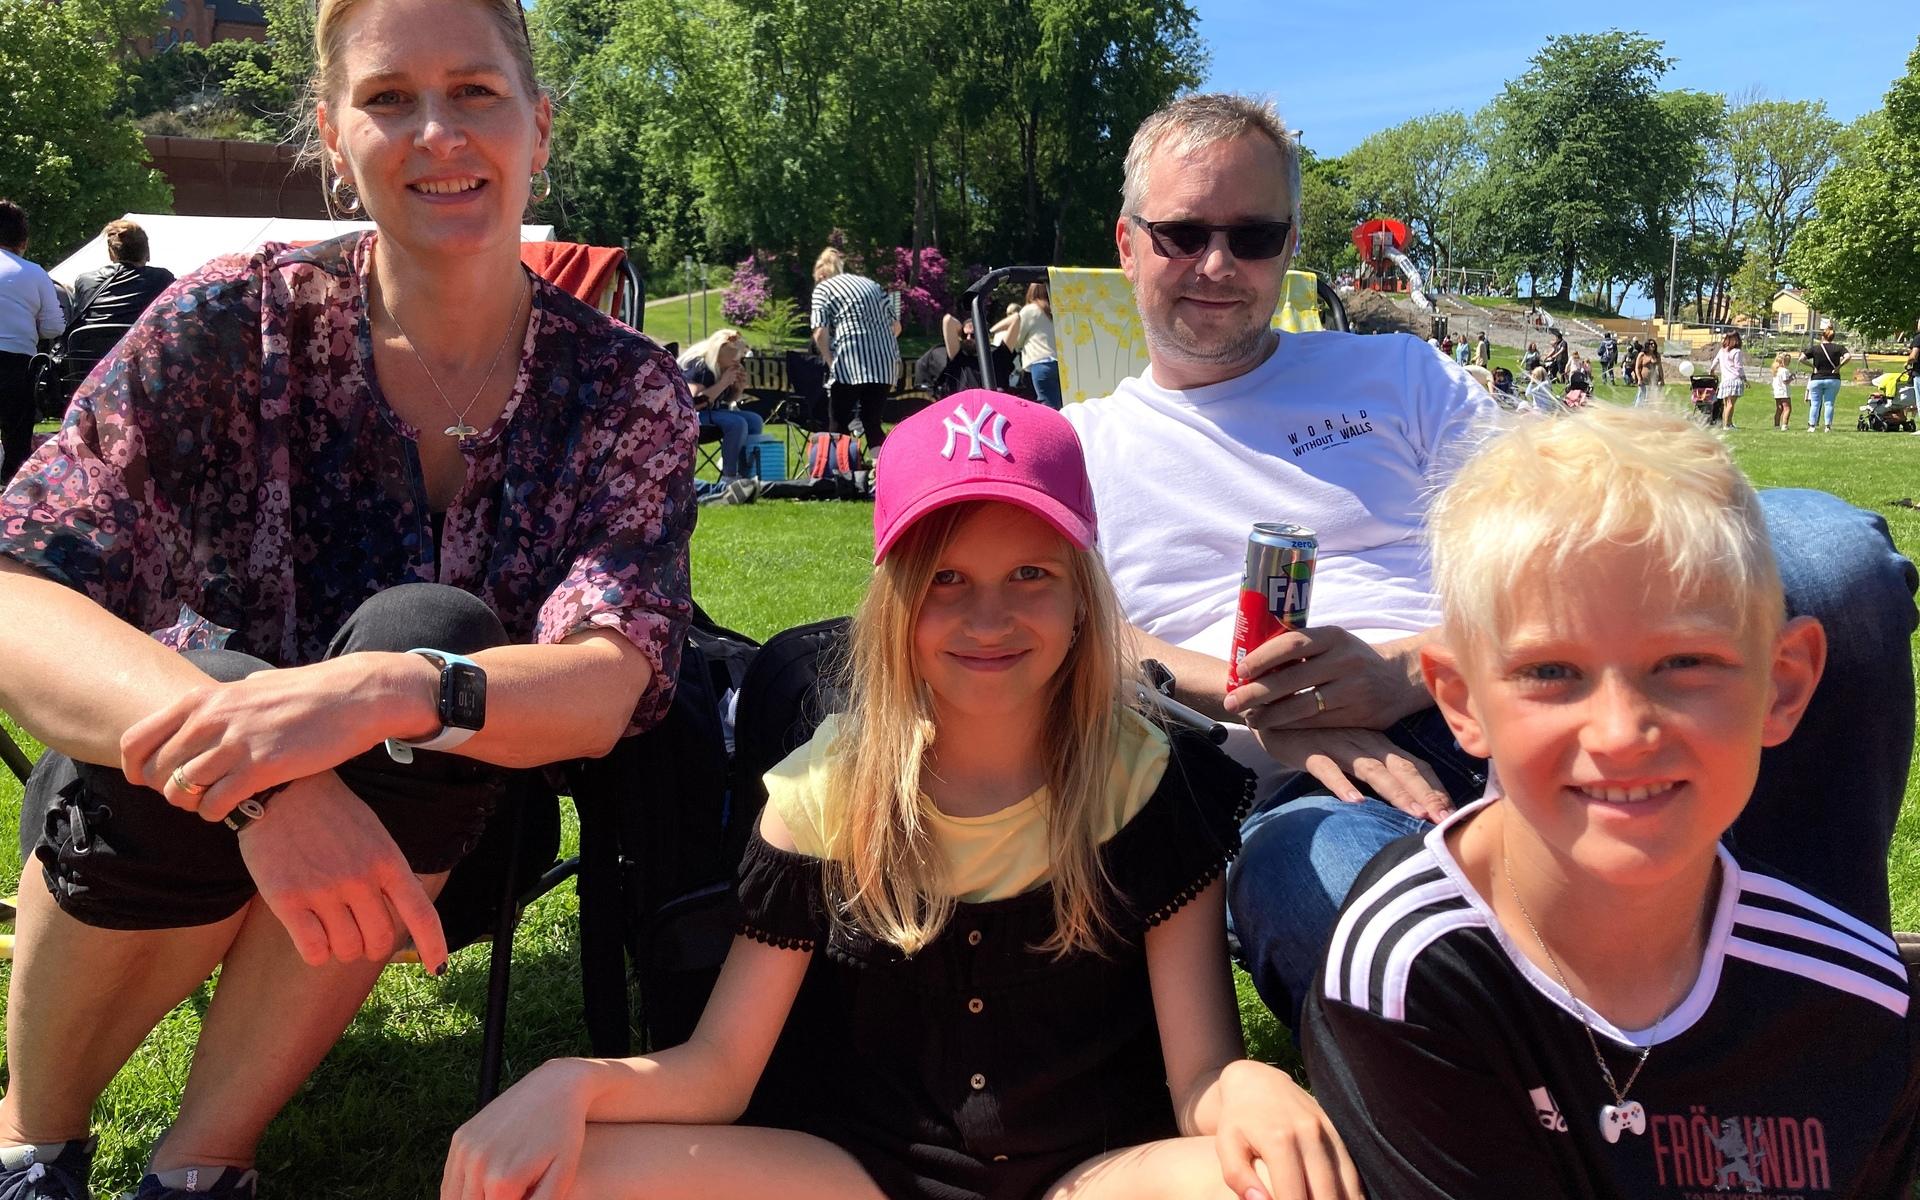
<point x="1030" y="161"/>
<point x="1565" y="294"/>
<point x="919" y="238"/>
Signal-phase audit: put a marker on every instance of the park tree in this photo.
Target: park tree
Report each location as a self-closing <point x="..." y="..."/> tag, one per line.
<point x="1782" y="149"/>
<point x="1327" y="217"/>
<point x="1558" y="135"/>
<point x="66" y="154"/>
<point x="1859" y="255"/>
<point x="1753" y="287"/>
<point x="1417" y="171"/>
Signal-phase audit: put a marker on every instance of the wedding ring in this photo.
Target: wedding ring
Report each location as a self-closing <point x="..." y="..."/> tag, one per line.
<point x="187" y="785"/>
<point x="1319" y="701"/>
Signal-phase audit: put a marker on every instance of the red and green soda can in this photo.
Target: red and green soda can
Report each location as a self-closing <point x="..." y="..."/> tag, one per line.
<point x="1274" y="588"/>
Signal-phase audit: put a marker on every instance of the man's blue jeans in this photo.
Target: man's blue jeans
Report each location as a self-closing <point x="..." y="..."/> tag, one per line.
<point x="1822" y="813"/>
<point x="1821" y="392"/>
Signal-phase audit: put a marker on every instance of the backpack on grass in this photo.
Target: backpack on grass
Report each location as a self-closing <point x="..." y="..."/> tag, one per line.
<point x="834" y="455"/>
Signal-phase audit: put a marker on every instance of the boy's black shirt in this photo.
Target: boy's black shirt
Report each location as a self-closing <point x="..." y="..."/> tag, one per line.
<point x="1455" y="1068"/>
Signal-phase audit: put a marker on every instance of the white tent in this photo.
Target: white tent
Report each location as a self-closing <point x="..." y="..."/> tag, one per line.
<point x="183" y="244"/>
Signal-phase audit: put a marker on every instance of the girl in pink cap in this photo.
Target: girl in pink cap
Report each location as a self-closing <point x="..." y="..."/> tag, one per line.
<point x="981" y="951"/>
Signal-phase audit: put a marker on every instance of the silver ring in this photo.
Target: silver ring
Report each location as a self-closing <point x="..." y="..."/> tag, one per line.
<point x="1319" y="701"/>
<point x="187" y="785"/>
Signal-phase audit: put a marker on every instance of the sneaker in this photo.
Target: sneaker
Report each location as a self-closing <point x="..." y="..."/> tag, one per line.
<point x="189" y="1183"/>
<point x="24" y="1175"/>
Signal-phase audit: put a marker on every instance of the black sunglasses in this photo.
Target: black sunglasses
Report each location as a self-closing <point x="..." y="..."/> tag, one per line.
<point x="1189" y="239"/>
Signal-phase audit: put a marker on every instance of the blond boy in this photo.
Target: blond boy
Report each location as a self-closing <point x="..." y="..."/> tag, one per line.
<point x="1575" y="989"/>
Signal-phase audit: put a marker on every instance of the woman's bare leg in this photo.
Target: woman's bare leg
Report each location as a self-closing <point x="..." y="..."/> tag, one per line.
<point x="697" y="1162"/>
<point x="81" y="1000"/>
<point x="272" y="1019"/>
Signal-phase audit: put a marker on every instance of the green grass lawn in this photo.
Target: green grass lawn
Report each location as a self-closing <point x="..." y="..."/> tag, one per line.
<point x="375" y="1119"/>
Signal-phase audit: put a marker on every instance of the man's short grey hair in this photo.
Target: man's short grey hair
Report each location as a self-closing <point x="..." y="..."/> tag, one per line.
<point x="1202" y="119"/>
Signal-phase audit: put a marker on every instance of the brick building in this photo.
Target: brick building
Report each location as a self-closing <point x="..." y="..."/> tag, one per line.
<point x="203" y="22"/>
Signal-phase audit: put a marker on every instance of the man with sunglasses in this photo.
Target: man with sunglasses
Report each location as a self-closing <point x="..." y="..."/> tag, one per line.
<point x="1234" y="422"/>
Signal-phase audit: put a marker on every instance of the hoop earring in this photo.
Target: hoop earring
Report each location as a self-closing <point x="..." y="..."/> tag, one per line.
<point x="540" y="186"/>
<point x="342" y="194"/>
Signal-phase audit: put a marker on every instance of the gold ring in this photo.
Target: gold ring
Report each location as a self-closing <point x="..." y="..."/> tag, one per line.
<point x="187" y="785"/>
<point x="1319" y="701"/>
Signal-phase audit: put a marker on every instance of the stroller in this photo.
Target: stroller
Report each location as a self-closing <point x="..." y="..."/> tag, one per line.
<point x="1890" y="409"/>
<point x="1706" y="397"/>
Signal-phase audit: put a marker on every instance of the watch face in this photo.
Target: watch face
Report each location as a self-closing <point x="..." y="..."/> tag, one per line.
<point x="464" y="696"/>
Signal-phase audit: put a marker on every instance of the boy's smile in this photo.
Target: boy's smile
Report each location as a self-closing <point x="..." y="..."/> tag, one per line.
<point x="1625" y="723"/>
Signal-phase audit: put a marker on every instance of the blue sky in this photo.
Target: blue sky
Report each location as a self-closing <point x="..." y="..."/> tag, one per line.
<point x="1337" y="80"/>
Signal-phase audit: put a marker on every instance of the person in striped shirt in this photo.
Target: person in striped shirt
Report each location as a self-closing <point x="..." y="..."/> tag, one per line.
<point x="1574" y="989"/>
<point x="856" y="329"/>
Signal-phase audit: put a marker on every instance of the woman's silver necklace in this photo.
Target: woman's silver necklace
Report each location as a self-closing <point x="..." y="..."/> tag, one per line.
<point x="459" y="428"/>
<point x="1623" y="1115"/>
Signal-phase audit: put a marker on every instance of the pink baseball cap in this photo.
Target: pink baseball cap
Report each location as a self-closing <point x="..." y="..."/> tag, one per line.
<point x="982" y="445"/>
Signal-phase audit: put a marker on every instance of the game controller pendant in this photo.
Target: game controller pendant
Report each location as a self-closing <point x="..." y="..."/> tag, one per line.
<point x="1623" y="1115"/>
<point x="1616" y="1119"/>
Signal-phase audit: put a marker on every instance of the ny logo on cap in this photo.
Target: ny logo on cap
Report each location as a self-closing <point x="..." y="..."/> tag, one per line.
<point x="976" y="432"/>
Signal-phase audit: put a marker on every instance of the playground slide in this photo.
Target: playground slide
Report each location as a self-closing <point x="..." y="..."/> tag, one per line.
<point x="1416" y="290"/>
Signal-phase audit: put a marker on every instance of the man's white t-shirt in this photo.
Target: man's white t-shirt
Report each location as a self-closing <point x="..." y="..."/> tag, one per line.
<point x="1345" y="434"/>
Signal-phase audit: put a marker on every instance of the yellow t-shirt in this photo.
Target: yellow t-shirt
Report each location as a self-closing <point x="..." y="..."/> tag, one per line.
<point x="988" y="858"/>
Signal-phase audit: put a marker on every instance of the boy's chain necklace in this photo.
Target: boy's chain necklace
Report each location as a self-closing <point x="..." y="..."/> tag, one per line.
<point x="1622" y="1114"/>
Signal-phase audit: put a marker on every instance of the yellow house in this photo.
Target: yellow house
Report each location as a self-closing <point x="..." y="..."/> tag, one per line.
<point x="1791" y="311"/>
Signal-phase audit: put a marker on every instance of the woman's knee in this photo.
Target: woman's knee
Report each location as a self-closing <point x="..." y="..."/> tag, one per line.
<point x="420" y="614"/>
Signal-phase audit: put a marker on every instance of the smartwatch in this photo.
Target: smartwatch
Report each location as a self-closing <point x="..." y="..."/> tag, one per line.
<point x="462" y="705"/>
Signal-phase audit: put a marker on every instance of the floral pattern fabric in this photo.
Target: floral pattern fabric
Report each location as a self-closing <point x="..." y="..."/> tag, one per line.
<point x="233" y="475"/>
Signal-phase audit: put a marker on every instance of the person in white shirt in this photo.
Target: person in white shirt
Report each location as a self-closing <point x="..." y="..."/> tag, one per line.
<point x="29" y="312"/>
<point x="1032" y="334"/>
<point x="1233" y="422"/>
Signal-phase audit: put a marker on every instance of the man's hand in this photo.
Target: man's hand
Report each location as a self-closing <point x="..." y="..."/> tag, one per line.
<point x="1338" y="757"/>
<point x="1326" y="678"/>
<point x="328" y="869"/>
<point x="229" y="741"/>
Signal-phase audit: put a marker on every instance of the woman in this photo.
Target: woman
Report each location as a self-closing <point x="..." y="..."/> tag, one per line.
<point x="1530" y="359"/>
<point x="856" y="330"/>
<point x="1648" y="373"/>
<point x="716" y="379"/>
<point x="1032" y="335"/>
<point x="333" y="460"/>
<point x="1730" y="364"/>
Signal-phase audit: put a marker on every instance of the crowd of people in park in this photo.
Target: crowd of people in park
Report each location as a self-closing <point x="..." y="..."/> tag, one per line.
<point x="1556" y="833"/>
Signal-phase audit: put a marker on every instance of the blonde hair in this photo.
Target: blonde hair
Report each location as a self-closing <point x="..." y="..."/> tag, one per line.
<point x="887" y="877"/>
<point x="830" y="263"/>
<point x="327" y="83"/>
<point x="1783" y="359"/>
<point x="708" y="348"/>
<point x="1538" y="496"/>
<point x="1538" y="374"/>
<point x="1200" y="120"/>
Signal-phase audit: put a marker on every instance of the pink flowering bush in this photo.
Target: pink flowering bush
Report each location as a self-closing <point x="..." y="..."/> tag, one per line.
<point x="921" y="303"/>
<point x="748" y="296"/>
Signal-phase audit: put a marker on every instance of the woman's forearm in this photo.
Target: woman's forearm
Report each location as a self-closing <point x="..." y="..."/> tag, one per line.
<point x="74" y="675"/>
<point x="544" y="703"/>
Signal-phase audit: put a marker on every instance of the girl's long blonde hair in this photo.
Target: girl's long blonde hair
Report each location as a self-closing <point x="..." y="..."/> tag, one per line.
<point x="887" y="876"/>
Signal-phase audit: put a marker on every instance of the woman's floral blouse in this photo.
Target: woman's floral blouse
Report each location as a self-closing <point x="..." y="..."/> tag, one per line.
<point x="232" y="474"/>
